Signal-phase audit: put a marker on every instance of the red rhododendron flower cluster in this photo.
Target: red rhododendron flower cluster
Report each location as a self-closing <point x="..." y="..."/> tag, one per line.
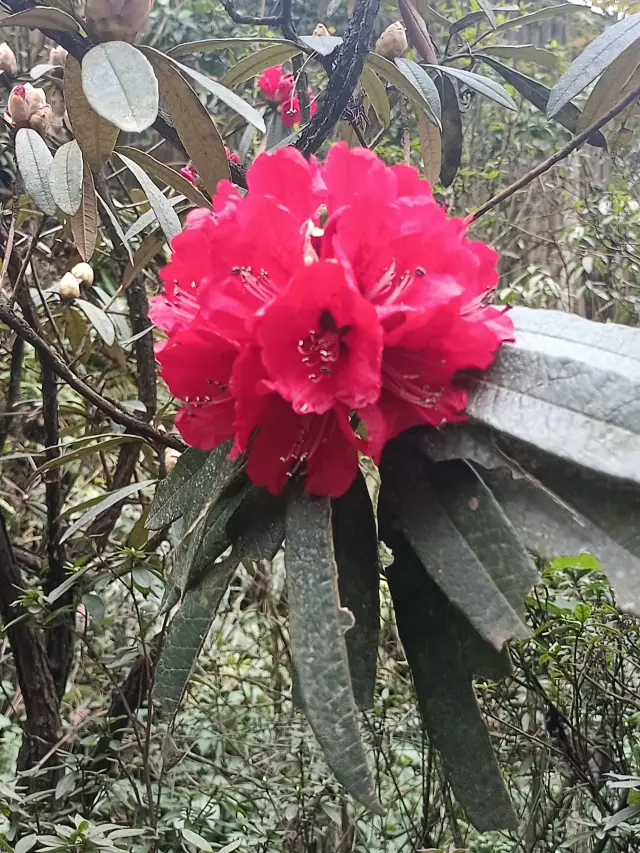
<point x="322" y="314"/>
<point x="278" y="87"/>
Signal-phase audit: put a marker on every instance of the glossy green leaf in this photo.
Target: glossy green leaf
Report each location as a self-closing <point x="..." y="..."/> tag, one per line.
<point x="375" y="90"/>
<point x="34" y="162"/>
<point x="421" y="81"/>
<point x="611" y="86"/>
<point x="355" y="541"/>
<point x="427" y="624"/>
<point x="174" y="493"/>
<point x="165" y="214"/>
<point x="451" y="130"/>
<point x="569" y="387"/>
<point x="120" y="86"/>
<point x="462" y="537"/>
<point x="593" y="61"/>
<point x="256" y="62"/>
<point x="97" y="509"/>
<point x="317" y="624"/>
<point x="65" y="177"/>
<point x="483" y="85"/>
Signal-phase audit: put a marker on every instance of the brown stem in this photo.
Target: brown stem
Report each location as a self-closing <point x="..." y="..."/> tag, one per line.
<point x="13" y="390"/>
<point x="562" y="154"/>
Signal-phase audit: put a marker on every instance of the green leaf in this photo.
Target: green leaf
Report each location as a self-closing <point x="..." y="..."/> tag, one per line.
<point x="42" y="17"/>
<point x="173" y="494"/>
<point x="483" y="85"/>
<point x="523" y="53"/>
<point x="84" y="222"/>
<point x="165" y="174"/>
<point x="421" y="81"/>
<point x="355" y="541"/>
<point x="451" y="130"/>
<point x="95" y="136"/>
<point x="430" y="149"/>
<point x="593" y="61"/>
<point x="468" y="20"/>
<point x="403" y="84"/>
<point x="197" y="840"/>
<point x="322" y="45"/>
<point x="462" y="537"/>
<point x="66" y="176"/>
<point x="146" y="252"/>
<point x="543" y="14"/>
<point x="98" y="319"/>
<point x="165" y="214"/>
<point x="316" y="624"/>
<point x="430" y="14"/>
<point x="106" y="442"/>
<point x="116" y="226"/>
<point x="569" y="387"/>
<point x="196" y="129"/>
<point x="256" y="62"/>
<point x="34" y="162"/>
<point x="427" y="624"/>
<point x="149" y="218"/>
<point x="26" y="843"/>
<point x="205" y="45"/>
<point x="611" y="86"/>
<point x="375" y="90"/>
<point x="538" y="95"/>
<point x="120" y="86"/>
<point x="221" y="92"/>
<point x="485" y="5"/>
<point x="97" y="509"/>
<point x="417" y="32"/>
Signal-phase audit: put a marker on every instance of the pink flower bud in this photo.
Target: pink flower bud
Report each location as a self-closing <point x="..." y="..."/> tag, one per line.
<point x="116" y="20"/>
<point x="28" y="107"/>
<point x="41" y="120"/>
<point x="8" y="62"/>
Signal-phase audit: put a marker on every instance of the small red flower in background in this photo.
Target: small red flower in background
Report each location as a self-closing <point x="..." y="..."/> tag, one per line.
<point x="290" y="109"/>
<point x="275" y="84"/>
<point x="296" y="340"/>
<point x="191" y="173"/>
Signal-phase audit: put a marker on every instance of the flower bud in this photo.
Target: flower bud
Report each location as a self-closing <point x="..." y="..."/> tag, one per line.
<point x="8" y="62"/>
<point x="320" y="30"/>
<point x="69" y="286"/>
<point x="83" y="272"/>
<point x="116" y="20"/>
<point x="171" y="457"/>
<point x="41" y="120"/>
<point x="23" y="104"/>
<point x="393" y="41"/>
<point x="57" y="56"/>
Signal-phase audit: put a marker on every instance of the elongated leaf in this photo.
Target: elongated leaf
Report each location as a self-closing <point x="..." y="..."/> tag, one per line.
<point x="419" y="78"/>
<point x="106" y="443"/>
<point x="523" y="53"/>
<point x="34" y="161"/>
<point x="149" y="218"/>
<point x="148" y="249"/>
<point x="538" y="95"/>
<point x="462" y="538"/>
<point x="430" y="148"/>
<point x="95" y="136"/>
<point x="110" y="500"/>
<point x="451" y="130"/>
<point x="593" y="61"/>
<point x="569" y="387"/>
<point x="610" y="87"/>
<point x="165" y="174"/>
<point x="430" y="14"/>
<point x="323" y="45"/>
<point x="84" y="222"/>
<point x="483" y="85"/>
<point x="116" y="226"/>
<point x="66" y="177"/>
<point x="205" y="45"/>
<point x="355" y="541"/>
<point x="119" y="84"/>
<point x="417" y="31"/>
<point x="485" y="5"/>
<point x="165" y="214"/>
<point x="221" y="92"/>
<point x="316" y="624"/>
<point x="426" y="624"/>
<point x="42" y="17"/>
<point x="544" y="14"/>
<point x="377" y="94"/>
<point x="468" y="20"/>
<point x="195" y="127"/>
<point x="255" y="63"/>
<point x="173" y="493"/>
<point x="403" y="84"/>
<point x="98" y="319"/>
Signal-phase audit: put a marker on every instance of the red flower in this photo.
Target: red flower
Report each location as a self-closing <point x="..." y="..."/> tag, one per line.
<point x="190" y="173"/>
<point x="290" y="109"/>
<point x="233" y="156"/>
<point x="275" y="84"/>
<point x="286" y="335"/>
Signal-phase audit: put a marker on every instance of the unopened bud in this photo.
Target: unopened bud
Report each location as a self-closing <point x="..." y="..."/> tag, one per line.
<point x="116" y="20"/>
<point x="41" y="120"/>
<point x="8" y="62"/>
<point x="83" y="272"/>
<point x="57" y="56"/>
<point x="320" y="30"/>
<point x="24" y="101"/>
<point x="393" y="41"/>
<point x="69" y="286"/>
<point x="171" y="457"/>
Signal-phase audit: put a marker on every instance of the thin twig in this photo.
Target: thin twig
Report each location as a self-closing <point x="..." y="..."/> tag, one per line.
<point x="255" y="20"/>
<point x="562" y="154"/>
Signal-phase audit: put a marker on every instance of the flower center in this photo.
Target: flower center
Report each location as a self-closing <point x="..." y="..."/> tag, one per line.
<point x="321" y="349"/>
<point x="393" y="284"/>
<point x="408" y="381"/>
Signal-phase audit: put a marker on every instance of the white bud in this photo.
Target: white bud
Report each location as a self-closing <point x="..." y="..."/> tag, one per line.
<point x="320" y="30"/>
<point x="393" y="41"/>
<point x="83" y="272"/>
<point x="171" y="457"/>
<point x="8" y="61"/>
<point x="69" y="286"/>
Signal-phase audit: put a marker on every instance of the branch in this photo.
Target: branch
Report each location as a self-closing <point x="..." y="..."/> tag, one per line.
<point x="562" y="154"/>
<point x="346" y="73"/>
<point x="104" y="404"/>
<point x="13" y="390"/>
<point x="237" y="18"/>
